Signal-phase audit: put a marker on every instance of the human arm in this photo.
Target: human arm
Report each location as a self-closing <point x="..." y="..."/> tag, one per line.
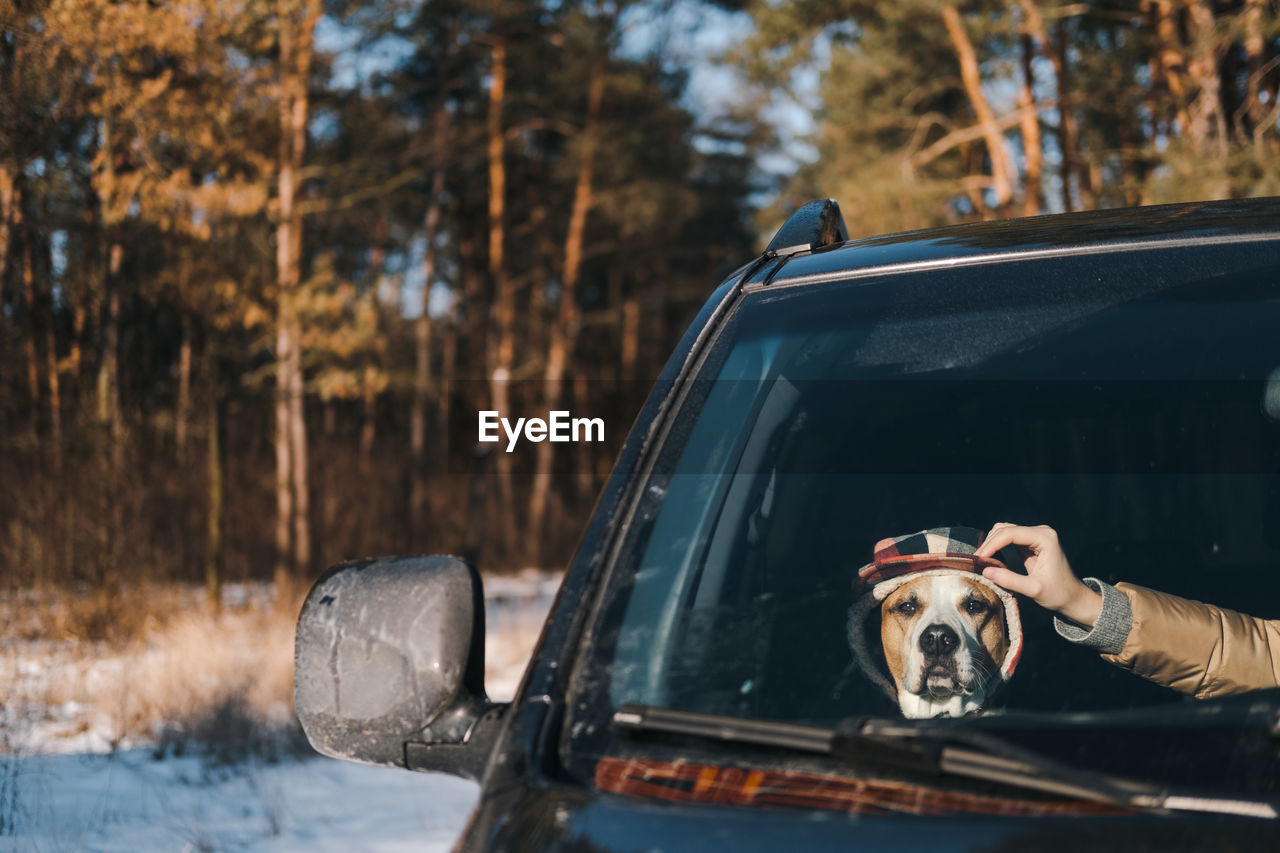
<point x="1198" y="648"/>
<point x="1192" y="647"/>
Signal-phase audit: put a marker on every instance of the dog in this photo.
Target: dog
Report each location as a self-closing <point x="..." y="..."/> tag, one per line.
<point x="949" y="638"/>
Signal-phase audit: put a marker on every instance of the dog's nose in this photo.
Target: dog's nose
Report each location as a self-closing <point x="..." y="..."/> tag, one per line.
<point x="938" y="640"/>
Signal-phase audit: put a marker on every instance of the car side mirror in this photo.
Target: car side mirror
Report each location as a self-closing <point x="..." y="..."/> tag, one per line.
<point x="389" y="665"/>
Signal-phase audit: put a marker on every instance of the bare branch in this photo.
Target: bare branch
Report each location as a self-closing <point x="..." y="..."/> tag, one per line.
<point x="967" y="134"/>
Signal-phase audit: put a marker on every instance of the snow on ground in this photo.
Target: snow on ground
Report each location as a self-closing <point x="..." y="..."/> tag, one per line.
<point x="70" y="781"/>
<point x="129" y="801"/>
<point x="515" y="607"/>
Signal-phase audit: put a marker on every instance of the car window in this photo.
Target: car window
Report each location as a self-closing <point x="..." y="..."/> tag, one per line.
<point x="1127" y="399"/>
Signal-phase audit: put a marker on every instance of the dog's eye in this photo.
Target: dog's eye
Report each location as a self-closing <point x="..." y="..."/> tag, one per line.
<point x="906" y="608"/>
<point x="974" y="606"/>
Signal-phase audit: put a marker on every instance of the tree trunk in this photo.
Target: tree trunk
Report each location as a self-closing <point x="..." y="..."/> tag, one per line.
<point x="1056" y="50"/>
<point x="110" y="428"/>
<point x="10" y="164"/>
<point x="110" y="432"/>
<point x="298" y="448"/>
<point x="369" y="430"/>
<point x="1031" y="145"/>
<point x="29" y="305"/>
<point x="472" y="267"/>
<point x="1172" y="57"/>
<point x="630" y="348"/>
<point x="7" y="175"/>
<point x="1256" y="49"/>
<point x="1068" y="129"/>
<point x="182" y="414"/>
<point x="284" y="456"/>
<point x="422" y="328"/>
<point x="293" y="532"/>
<point x="215" y="550"/>
<point x="564" y="332"/>
<point x="109" y="364"/>
<point x="79" y="322"/>
<point x="1208" y="121"/>
<point x="1001" y="168"/>
<point x="370" y="379"/>
<point x="448" y="370"/>
<point x="51" y="366"/>
<point x="502" y="346"/>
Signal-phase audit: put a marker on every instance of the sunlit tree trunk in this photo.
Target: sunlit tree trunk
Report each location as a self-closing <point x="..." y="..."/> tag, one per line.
<point x="182" y="415"/>
<point x="7" y="174"/>
<point x="29" y="346"/>
<point x="110" y="425"/>
<point x="502" y="344"/>
<point x="1001" y="168"/>
<point x="111" y="439"/>
<point x="79" y="322"/>
<point x="293" y="532"/>
<point x="564" y="331"/>
<point x="1172" y="59"/>
<point x="284" y="457"/>
<point x="369" y="381"/>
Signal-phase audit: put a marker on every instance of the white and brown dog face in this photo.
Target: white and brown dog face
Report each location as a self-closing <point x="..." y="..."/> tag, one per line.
<point x="944" y="637"/>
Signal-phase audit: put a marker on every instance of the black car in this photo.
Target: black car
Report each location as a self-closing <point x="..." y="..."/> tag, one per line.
<point x="1114" y="373"/>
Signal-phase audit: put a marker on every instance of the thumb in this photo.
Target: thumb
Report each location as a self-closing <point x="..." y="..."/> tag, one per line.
<point x="1012" y="581"/>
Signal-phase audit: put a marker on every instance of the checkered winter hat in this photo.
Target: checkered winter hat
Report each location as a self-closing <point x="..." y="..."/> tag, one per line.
<point x="937" y="551"/>
<point x="940" y="547"/>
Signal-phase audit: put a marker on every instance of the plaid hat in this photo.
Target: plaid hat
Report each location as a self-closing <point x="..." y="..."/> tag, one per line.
<point x="938" y="547"/>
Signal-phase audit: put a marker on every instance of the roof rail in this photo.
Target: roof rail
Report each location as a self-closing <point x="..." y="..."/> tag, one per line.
<point x="813" y="226"/>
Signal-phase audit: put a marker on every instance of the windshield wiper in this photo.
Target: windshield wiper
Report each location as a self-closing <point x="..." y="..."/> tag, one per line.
<point x="935" y="750"/>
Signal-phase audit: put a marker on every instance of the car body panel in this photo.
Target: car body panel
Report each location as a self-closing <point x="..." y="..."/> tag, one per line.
<point x="1018" y="239"/>
<point x="564" y="818"/>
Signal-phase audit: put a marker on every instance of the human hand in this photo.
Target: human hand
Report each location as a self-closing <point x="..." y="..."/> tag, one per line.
<point x="1049" y="580"/>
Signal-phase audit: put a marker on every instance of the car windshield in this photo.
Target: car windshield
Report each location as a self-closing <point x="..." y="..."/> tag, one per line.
<point x="1129" y="399"/>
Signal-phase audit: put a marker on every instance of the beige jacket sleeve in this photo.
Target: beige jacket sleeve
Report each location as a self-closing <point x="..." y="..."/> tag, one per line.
<point x="1198" y="648"/>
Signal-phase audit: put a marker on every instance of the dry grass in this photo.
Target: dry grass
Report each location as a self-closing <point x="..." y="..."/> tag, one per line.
<point x="155" y="666"/>
<point x="92" y="614"/>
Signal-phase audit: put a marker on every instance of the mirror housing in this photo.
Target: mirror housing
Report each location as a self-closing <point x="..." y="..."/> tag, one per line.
<point x="389" y="665"/>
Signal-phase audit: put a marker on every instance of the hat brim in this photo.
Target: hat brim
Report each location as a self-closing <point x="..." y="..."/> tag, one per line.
<point x="896" y="566"/>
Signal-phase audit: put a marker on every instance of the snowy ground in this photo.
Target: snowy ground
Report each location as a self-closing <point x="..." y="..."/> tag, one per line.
<point x="129" y="801"/>
<point x="69" y="781"/>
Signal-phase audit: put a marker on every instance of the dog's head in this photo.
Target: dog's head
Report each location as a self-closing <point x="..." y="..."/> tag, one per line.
<point x="950" y="638"/>
<point x="944" y="639"/>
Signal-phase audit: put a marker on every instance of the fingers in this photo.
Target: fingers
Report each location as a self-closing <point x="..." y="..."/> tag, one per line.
<point x="1004" y="534"/>
<point x="1012" y="581"/>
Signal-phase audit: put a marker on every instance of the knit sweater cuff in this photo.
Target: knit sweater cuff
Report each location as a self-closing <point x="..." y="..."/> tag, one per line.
<point x="1109" y="633"/>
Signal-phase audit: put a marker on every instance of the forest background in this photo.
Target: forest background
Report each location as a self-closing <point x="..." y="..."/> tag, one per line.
<point x="262" y="261"/>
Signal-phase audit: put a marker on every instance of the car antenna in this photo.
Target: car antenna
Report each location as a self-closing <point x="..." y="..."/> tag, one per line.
<point x="813" y="226"/>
